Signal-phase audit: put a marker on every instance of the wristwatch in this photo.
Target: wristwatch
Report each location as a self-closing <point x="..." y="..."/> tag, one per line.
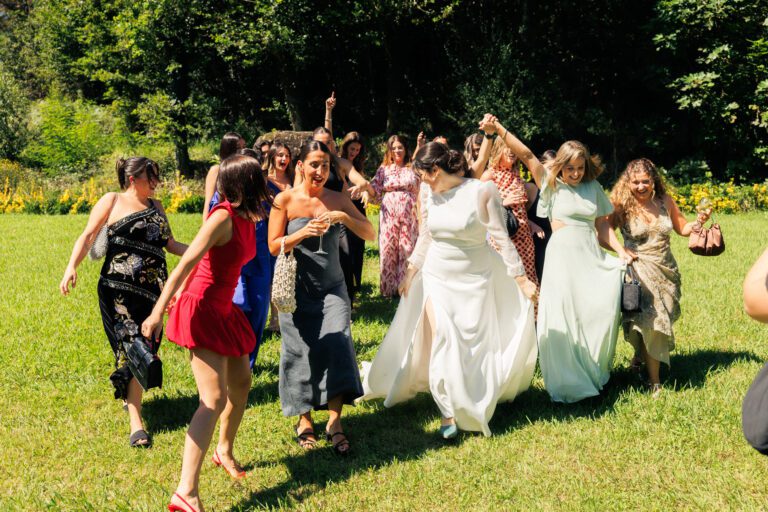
<point x="489" y="136"/>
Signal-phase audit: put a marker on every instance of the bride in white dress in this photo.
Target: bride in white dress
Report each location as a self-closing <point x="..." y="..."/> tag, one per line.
<point x="464" y="328"/>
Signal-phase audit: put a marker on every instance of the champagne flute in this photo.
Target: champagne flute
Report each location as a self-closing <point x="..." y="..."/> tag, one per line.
<point x="319" y="212"/>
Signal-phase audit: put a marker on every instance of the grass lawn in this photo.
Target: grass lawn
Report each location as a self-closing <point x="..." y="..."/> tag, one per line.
<point x="64" y="439"/>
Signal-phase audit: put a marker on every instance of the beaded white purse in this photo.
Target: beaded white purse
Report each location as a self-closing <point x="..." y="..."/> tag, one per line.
<point x="284" y="281"/>
<point x="99" y="247"/>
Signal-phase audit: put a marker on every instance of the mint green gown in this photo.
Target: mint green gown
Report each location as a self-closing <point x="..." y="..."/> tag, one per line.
<point x="580" y="298"/>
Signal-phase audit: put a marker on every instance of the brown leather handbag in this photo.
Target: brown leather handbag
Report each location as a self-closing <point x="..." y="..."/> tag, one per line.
<point x="706" y="241"/>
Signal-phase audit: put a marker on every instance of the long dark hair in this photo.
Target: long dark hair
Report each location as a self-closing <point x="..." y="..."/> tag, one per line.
<point x="359" y="161"/>
<point x="242" y="183"/>
<point x="269" y="158"/>
<point x="134" y="167"/>
<point x="229" y="145"/>
<point x="437" y="154"/>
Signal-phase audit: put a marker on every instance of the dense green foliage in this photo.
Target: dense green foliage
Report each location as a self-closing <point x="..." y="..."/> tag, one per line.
<point x="66" y="439"/>
<point x="684" y="82"/>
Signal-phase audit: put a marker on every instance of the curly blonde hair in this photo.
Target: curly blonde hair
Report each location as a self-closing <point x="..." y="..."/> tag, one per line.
<point x="570" y="150"/>
<point x="621" y="194"/>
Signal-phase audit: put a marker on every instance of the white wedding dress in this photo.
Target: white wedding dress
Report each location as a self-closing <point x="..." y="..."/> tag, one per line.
<point x="484" y="345"/>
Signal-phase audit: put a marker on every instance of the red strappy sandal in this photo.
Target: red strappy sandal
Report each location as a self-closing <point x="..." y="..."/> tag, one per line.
<point x="172" y="507"/>
<point x="237" y="475"/>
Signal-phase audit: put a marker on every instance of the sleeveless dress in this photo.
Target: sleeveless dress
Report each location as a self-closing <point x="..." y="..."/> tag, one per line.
<point x="254" y="286"/>
<point x="580" y="299"/>
<point x="512" y="188"/>
<point x="397" y="189"/>
<point x="352" y="255"/>
<point x="132" y="278"/>
<point x="317" y="360"/>
<point x="539" y="244"/>
<point x="659" y="278"/>
<point x="204" y="316"/>
<point x="484" y="346"/>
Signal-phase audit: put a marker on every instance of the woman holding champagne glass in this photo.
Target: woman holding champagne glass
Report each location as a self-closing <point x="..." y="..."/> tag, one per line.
<point x="318" y="369"/>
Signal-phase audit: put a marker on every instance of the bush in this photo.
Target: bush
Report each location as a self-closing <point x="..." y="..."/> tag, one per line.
<point x="13" y="112"/>
<point x="71" y="136"/>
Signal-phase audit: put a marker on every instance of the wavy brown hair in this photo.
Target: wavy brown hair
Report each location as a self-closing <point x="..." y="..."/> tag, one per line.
<point x="359" y="161"/>
<point x="242" y="183"/>
<point x="621" y="194"/>
<point x="569" y="150"/>
<point x="389" y="157"/>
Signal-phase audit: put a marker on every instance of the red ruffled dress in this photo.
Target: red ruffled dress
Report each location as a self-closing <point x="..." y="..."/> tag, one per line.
<point x="204" y="316"/>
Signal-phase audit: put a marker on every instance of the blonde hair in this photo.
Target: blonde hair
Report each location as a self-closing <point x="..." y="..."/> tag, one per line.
<point x="570" y="150"/>
<point x="621" y="194"/>
<point x="498" y="150"/>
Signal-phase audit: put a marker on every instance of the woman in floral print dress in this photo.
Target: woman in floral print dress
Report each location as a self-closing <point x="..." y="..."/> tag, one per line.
<point x="504" y="172"/>
<point x="396" y="186"/>
<point x="133" y="273"/>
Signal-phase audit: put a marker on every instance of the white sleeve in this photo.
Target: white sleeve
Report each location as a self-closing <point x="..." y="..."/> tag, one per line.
<point x="490" y="214"/>
<point x="425" y="238"/>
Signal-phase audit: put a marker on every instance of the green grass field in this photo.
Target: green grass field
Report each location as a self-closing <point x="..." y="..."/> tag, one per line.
<point x="64" y="439"/>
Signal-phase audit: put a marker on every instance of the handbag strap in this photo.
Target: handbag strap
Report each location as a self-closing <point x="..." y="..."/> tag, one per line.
<point x="282" y="246"/>
<point x="631" y="274"/>
<point x="111" y="207"/>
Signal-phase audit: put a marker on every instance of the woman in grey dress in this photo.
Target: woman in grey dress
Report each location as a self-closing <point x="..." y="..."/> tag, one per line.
<point x="318" y="369"/>
<point x="647" y="215"/>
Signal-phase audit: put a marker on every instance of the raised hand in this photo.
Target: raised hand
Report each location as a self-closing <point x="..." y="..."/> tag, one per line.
<point x="330" y="103"/>
<point x="421" y="139"/>
<point x="488" y="123"/>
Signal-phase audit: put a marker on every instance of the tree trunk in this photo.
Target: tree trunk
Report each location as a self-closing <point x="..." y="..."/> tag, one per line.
<point x="394" y="78"/>
<point x="292" y="103"/>
<point x="181" y="147"/>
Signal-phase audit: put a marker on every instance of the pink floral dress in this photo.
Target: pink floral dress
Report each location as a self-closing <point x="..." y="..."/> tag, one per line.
<point x="396" y="188"/>
<point x="512" y="190"/>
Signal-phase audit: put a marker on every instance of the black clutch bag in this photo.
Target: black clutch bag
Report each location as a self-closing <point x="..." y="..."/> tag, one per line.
<point x="630" y="292"/>
<point x="511" y="222"/>
<point x="144" y="364"/>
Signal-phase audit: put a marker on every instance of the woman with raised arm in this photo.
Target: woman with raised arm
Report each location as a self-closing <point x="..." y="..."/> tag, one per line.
<point x="580" y="298"/>
<point x="231" y="143"/>
<point x="318" y="369"/>
<point x="464" y="328"/>
<point x="647" y="216"/>
<point x="504" y="172"/>
<point x="133" y="273"/>
<point x="204" y="320"/>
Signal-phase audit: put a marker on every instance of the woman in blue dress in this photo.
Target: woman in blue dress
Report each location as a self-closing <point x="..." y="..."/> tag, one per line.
<point x="252" y="294"/>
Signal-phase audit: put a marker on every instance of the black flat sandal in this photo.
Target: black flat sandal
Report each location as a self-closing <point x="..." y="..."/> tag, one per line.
<point x="342" y="447"/>
<point x="307" y="439"/>
<point x="137" y="437"/>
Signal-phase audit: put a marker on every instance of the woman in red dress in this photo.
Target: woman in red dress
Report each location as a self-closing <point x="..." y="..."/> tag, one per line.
<point x="504" y="171"/>
<point x="204" y="320"/>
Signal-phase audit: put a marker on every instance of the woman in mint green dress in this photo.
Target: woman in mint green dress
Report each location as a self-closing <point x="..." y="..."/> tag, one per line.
<point x="580" y="297"/>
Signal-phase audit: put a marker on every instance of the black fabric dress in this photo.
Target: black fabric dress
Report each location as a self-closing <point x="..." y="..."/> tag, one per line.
<point x="351" y="257"/>
<point x="132" y="278"/>
<point x="347" y="244"/>
<point x="539" y="244"/>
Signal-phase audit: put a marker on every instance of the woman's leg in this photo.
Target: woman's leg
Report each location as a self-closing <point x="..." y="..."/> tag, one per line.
<point x="238" y="385"/>
<point x="652" y="365"/>
<point x="133" y="400"/>
<point x="428" y="334"/>
<point x="333" y="427"/>
<point x="210" y="371"/>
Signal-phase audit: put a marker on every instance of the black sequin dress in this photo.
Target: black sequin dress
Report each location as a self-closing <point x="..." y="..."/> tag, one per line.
<point x="132" y="278"/>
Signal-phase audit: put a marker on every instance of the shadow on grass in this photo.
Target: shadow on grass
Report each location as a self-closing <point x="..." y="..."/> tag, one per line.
<point x="373" y="307"/>
<point x="692" y="370"/>
<point x="378" y="438"/>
